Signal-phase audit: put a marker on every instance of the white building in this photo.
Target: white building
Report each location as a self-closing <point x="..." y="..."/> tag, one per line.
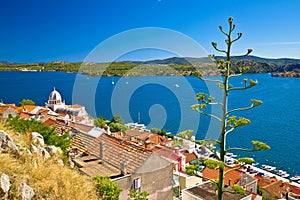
<point x="76" y="112"/>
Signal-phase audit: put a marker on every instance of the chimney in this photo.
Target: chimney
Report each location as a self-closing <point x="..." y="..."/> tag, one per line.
<point x="105" y="127"/>
<point x="123" y="168"/>
<point x="147" y="144"/>
<point x="177" y="150"/>
<point x="101" y="150"/>
<point x="229" y="181"/>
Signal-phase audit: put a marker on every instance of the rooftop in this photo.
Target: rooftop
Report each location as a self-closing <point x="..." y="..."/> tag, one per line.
<point x="113" y="151"/>
<point x="92" y="166"/>
<point x="233" y="176"/>
<point x="189" y="156"/>
<point x="208" y="192"/>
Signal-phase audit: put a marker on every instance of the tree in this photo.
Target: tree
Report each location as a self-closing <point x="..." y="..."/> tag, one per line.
<point x="117" y="119"/>
<point x="227" y="120"/>
<point x="116" y="127"/>
<point x="100" y="122"/>
<point x="135" y="195"/>
<point x="191" y="169"/>
<point x="158" y="131"/>
<point x="26" y="102"/>
<point x="106" y="189"/>
<point x="187" y="134"/>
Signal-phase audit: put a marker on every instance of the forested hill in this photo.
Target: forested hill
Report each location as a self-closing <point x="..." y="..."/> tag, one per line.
<point x="169" y="66"/>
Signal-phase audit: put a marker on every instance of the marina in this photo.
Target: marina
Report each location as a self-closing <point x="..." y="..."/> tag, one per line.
<point x="253" y="169"/>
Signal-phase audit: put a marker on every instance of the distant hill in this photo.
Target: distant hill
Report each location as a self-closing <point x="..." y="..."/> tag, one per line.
<point x="180" y="66"/>
<point x="186" y="60"/>
<point x="173" y="60"/>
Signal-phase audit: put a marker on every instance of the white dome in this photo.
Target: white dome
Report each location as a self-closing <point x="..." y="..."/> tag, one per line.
<point x="55" y="97"/>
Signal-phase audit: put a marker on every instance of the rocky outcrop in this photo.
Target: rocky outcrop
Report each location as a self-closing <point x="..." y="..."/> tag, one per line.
<point x="7" y="144"/>
<point x="4" y="184"/>
<point x="25" y="192"/>
<point x="37" y="139"/>
<point x="51" y="150"/>
<point x="34" y="154"/>
<point x="45" y="153"/>
<point x="60" y="162"/>
<point x="40" y="151"/>
<point x="38" y="146"/>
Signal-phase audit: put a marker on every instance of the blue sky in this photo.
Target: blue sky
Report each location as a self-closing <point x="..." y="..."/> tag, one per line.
<point x="49" y="30"/>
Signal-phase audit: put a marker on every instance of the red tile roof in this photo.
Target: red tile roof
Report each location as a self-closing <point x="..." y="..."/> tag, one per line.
<point x="234" y="175"/>
<point x="143" y="136"/>
<point x="167" y="152"/>
<point x="131" y="133"/>
<point x="115" y="151"/>
<point x="158" y="139"/>
<point x="42" y="111"/>
<point x="82" y="142"/>
<point x="81" y="127"/>
<point x="295" y="190"/>
<point x="24" y="115"/>
<point x="3" y="109"/>
<point x="62" y="114"/>
<point x="12" y="106"/>
<point x="274" y="188"/>
<point x="189" y="156"/>
<point x="76" y="106"/>
<point x="29" y="108"/>
<point x="50" y="122"/>
<point x="265" y="181"/>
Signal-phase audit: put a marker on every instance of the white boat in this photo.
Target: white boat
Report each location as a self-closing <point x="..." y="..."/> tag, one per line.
<point x="281" y="172"/>
<point x="255" y="164"/>
<point x="271" y="169"/>
<point x="176" y="85"/>
<point x="295" y="178"/>
<point x="285" y="175"/>
<point x="265" y="166"/>
<point x="268" y="168"/>
<point x="229" y="154"/>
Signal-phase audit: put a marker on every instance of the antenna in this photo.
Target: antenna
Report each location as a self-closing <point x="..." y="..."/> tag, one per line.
<point x="139" y="117"/>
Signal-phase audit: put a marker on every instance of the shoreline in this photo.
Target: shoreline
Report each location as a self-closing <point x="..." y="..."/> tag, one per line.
<point x="258" y="169"/>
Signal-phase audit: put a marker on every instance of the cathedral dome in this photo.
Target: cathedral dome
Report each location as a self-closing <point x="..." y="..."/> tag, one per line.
<point x="55" y="97"/>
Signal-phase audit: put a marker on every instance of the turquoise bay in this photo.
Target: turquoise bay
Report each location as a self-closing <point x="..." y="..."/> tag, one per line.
<point x="167" y="100"/>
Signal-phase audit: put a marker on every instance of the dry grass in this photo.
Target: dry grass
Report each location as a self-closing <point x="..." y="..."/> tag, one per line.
<point x="48" y="179"/>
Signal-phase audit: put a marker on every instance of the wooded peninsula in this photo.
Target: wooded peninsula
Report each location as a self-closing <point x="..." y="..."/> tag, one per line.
<point x="167" y="67"/>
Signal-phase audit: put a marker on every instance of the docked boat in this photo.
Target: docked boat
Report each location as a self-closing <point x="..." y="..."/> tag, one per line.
<point x="285" y="175"/>
<point x="281" y="172"/>
<point x="295" y="178"/>
<point x="231" y="155"/>
<point x="271" y="169"/>
<point x="265" y="166"/>
<point x="255" y="164"/>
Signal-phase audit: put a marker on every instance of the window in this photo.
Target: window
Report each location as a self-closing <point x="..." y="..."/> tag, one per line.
<point x="137" y="183"/>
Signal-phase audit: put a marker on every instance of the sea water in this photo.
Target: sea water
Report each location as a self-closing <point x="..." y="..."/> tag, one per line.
<point x="164" y="102"/>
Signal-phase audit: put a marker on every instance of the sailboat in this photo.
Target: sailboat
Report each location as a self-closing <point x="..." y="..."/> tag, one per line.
<point x="112" y="82"/>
